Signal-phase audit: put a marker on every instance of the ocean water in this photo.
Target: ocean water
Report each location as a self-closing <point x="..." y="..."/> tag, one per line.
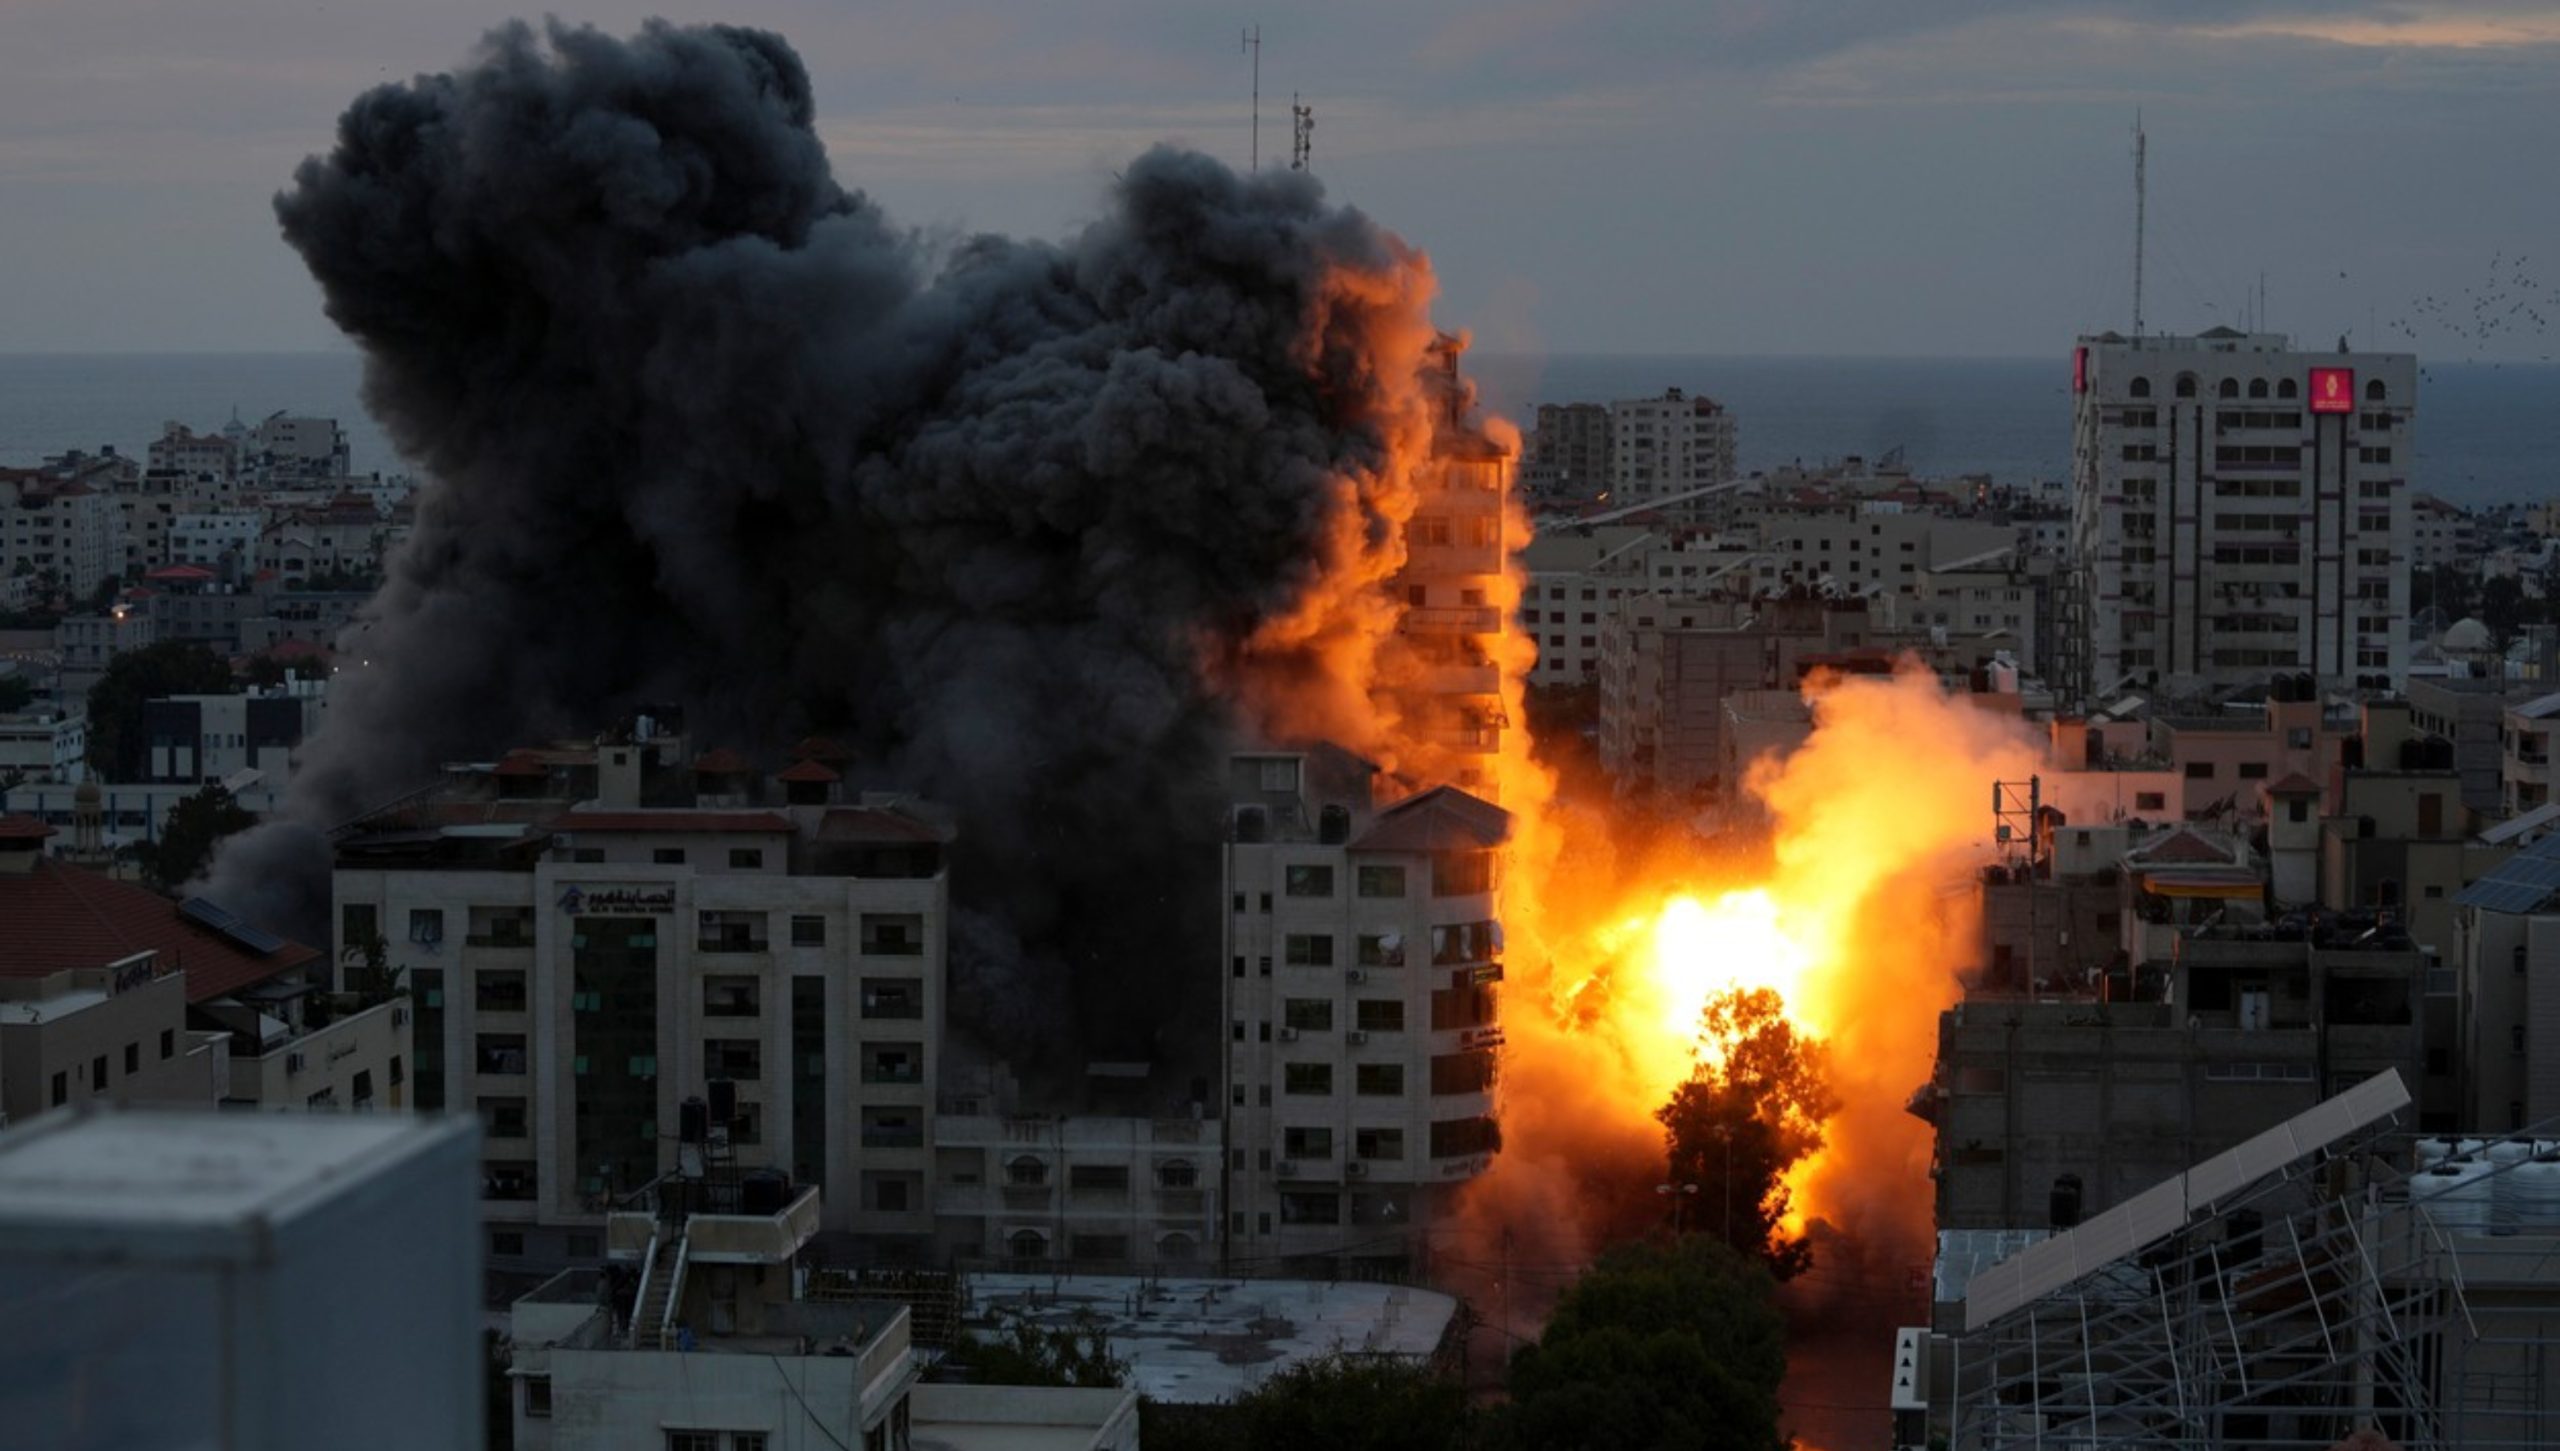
<point x="2486" y="433"/>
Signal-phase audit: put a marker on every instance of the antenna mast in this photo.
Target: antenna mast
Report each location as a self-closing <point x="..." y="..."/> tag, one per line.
<point x="2140" y="148"/>
<point x="1253" y="46"/>
<point x="1302" y="132"/>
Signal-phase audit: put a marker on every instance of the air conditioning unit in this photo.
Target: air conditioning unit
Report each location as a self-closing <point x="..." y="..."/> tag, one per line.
<point x="293" y="1061"/>
<point x="1356" y="1037"/>
<point x="1355" y="1170"/>
<point x="1354" y="975"/>
<point x="400" y="1016"/>
<point x="1288" y="1035"/>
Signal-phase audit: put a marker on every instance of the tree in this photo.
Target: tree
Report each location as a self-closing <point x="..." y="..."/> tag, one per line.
<point x="1752" y="1108"/>
<point x="15" y="693"/>
<point x="1024" y="1354"/>
<point x="1662" y="1343"/>
<point x="1355" y="1403"/>
<point x="172" y="667"/>
<point x="196" y="824"/>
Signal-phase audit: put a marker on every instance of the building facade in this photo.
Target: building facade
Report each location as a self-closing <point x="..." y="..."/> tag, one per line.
<point x="1664" y="447"/>
<point x="1362" y="954"/>
<point x="2238" y="507"/>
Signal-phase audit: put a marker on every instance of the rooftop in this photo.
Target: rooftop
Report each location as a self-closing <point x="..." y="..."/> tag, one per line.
<point x="64" y="918"/>
<point x="110" y="1168"/>
<point x="1204" y="1340"/>
<point x="1443" y="818"/>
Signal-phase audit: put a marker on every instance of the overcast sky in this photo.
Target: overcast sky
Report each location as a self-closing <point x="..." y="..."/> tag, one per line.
<point x="1725" y="176"/>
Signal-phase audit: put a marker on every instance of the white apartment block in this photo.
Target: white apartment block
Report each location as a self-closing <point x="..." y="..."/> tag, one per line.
<point x="2441" y="535"/>
<point x="200" y="738"/>
<point x="1575" y="575"/>
<point x="284" y="447"/>
<point x="581" y="973"/>
<point x="2239" y="509"/>
<point x="46" y="743"/>
<point x="1093" y="1191"/>
<point x="67" y="532"/>
<point x="1662" y="447"/>
<point x="208" y="538"/>
<point x="206" y="460"/>
<point x="1363" y="952"/>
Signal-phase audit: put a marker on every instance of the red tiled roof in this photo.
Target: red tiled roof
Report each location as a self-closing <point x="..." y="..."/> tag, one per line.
<point x="809" y="771"/>
<point x="63" y="917"/>
<point x="2294" y="784"/>
<point x="2181" y="848"/>
<point x="1443" y="818"/>
<point x="720" y="761"/>
<point x="22" y="831"/>
<point x="820" y="748"/>
<point x="674" y="820"/>
<point x="179" y="571"/>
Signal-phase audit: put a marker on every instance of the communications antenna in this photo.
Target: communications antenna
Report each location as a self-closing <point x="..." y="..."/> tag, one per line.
<point x="1302" y="132"/>
<point x="2140" y="148"/>
<point x="1253" y="47"/>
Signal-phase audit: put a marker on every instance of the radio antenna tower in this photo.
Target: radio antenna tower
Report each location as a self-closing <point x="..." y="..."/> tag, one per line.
<point x="1302" y="132"/>
<point x="1253" y="47"/>
<point x="2140" y="156"/>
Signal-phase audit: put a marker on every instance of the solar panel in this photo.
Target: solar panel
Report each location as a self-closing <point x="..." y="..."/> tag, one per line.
<point x="221" y="920"/>
<point x="2156" y="1213"/>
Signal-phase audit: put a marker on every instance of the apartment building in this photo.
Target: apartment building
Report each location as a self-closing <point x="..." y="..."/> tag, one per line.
<point x="199" y="459"/>
<point x="215" y="539"/>
<point x="1664" y="447"/>
<point x="592" y="943"/>
<point x="1569" y="451"/>
<point x="1089" y="1190"/>
<point x="1575" y="577"/>
<point x="2506" y="948"/>
<point x="87" y="644"/>
<point x="115" y="993"/>
<point x="60" y="530"/>
<point x="200" y="738"/>
<point x="2525" y="731"/>
<point x="284" y="448"/>
<point x="2238" y="507"/>
<point x="1439" y="674"/>
<point x="45" y="743"/>
<point x="1667" y="666"/>
<point x="1363" y="952"/>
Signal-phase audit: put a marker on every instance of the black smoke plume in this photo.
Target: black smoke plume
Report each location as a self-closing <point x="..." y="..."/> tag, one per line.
<point x="704" y="426"/>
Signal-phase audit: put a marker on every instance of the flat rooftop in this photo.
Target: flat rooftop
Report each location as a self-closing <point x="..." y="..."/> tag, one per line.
<point x="104" y="1168"/>
<point x="1204" y="1340"/>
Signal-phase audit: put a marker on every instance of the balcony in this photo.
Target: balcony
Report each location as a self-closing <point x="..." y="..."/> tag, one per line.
<point x="1024" y="1198"/>
<point x="891" y="1073"/>
<point x="1453" y="620"/>
<point x="880" y="1136"/>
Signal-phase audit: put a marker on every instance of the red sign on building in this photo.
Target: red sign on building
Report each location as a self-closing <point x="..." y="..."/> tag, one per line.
<point x="2333" y="390"/>
<point x="2079" y="370"/>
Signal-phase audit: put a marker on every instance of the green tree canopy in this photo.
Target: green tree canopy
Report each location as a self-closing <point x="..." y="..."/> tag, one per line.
<point x="1662" y="1344"/>
<point x="1025" y="1354"/>
<point x="172" y="667"/>
<point x="1754" y="1106"/>
<point x="187" y="839"/>
<point x="16" y="692"/>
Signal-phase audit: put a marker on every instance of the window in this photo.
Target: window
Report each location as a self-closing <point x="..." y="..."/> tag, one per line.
<point x="1305" y="879"/>
<point x="741" y="1059"/>
<point x="2199" y="770"/>
<point x="667" y="856"/>
<point x="729" y="997"/>
<point x="508" y="1242"/>
<point x="746" y="858"/>
<point x="1310" y="1209"/>
<point x="1099" y="1178"/>
<point x="358" y="923"/>
<point x="693" y="1441"/>
<point x="498" y="991"/>
<point x="426" y="926"/>
<point x="1381" y="881"/>
<point x="1461" y="873"/>
<point x="98" y="1073"/>
<point x="61" y="1089"/>
<point x="397" y="1076"/>
<point x="132" y="1059"/>
<point x="893" y="934"/>
<point x="1308" y="1015"/>
<point x="503" y="1118"/>
<point x="1306" y="1143"/>
<point x="2150" y="801"/>
<point x="169" y="1045"/>
<point x="537" y="1397"/>
<point x="500" y="1053"/>
<point x="808" y="931"/>
<point x="1027" y="1172"/>
<point x="1307" y="1078"/>
<point x="1377" y="1143"/>
<point x="1381" y="1015"/>
<point x="2253" y="770"/>
<point x="1378" y="1080"/>
<point x="1310" y="949"/>
<point x="1381" y="949"/>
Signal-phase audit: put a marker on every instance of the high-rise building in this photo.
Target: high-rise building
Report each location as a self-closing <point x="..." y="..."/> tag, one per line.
<point x="1664" y="447"/>
<point x="2239" y="509"/>
<point x="597" y="936"/>
<point x="1569" y="452"/>
<point x="1362" y="951"/>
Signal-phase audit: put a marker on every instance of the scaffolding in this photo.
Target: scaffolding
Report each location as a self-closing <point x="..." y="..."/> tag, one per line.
<point x="2329" y="1276"/>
